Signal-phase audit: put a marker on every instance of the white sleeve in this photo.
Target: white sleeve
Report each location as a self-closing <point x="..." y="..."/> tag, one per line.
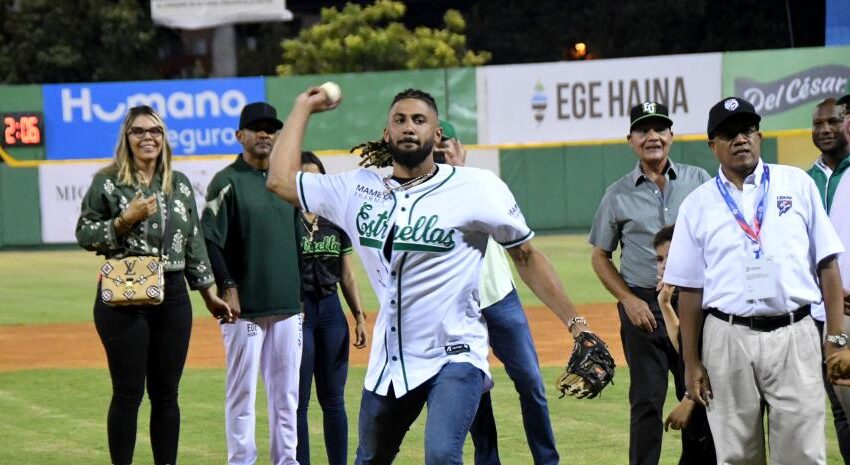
<point x="686" y="257"/>
<point x="499" y="215"/>
<point x="824" y="241"/>
<point x="326" y="195"/>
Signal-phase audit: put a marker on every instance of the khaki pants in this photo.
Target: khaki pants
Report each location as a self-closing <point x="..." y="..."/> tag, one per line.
<point x="753" y="373"/>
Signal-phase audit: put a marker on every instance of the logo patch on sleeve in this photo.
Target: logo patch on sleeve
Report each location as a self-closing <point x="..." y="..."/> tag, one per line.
<point x="454" y="349"/>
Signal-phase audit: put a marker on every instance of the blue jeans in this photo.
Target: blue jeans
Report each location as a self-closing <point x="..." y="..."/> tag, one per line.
<point x="452" y="397"/>
<point x="325" y="355"/>
<point x="511" y="341"/>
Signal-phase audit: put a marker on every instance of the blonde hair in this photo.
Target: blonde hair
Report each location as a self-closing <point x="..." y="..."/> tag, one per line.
<point x="122" y="166"/>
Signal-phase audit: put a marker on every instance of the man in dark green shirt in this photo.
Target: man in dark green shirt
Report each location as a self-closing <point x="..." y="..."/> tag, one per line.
<point x="250" y="234"/>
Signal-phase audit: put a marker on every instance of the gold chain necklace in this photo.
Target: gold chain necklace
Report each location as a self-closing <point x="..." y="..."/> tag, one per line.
<point x="313" y="227"/>
<point x="413" y="182"/>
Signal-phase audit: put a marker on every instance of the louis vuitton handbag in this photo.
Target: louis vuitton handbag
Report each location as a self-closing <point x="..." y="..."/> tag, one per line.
<point x="135" y="280"/>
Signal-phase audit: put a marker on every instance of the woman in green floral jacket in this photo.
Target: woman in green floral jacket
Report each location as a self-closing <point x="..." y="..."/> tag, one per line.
<point x="124" y="213"/>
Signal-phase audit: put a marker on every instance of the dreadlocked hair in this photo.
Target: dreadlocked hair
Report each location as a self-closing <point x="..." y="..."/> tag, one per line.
<point x="377" y="152"/>
<point x="374" y="153"/>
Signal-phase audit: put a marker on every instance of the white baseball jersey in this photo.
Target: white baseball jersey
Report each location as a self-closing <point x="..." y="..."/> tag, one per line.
<point x="428" y="289"/>
<point x="709" y="250"/>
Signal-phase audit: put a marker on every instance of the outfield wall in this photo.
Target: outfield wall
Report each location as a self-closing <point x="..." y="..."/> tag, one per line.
<point x="558" y="187"/>
<point x="555" y="132"/>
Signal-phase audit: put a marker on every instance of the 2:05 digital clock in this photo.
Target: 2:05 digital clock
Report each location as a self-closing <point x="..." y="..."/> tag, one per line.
<point x="22" y="129"/>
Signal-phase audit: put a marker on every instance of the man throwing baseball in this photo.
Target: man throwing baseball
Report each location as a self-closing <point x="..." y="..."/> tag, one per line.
<point x="424" y="262"/>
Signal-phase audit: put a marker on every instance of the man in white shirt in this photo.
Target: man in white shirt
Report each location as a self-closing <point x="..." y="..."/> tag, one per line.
<point x="749" y="249"/>
<point x="423" y="260"/>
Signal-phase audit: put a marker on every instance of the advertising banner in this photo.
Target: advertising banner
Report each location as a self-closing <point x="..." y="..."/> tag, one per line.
<point x="785" y="85"/>
<point x="83" y="120"/>
<point x="569" y="101"/>
<point x="62" y="188"/>
<point x="199" y="14"/>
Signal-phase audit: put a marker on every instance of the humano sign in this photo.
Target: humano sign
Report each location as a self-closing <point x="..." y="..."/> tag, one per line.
<point x="202" y="115"/>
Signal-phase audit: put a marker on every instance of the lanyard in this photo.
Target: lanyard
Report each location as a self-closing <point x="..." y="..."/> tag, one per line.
<point x="753" y="233"/>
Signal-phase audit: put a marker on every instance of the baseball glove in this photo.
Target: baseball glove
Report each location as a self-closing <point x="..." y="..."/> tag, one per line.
<point x="838" y="367"/>
<point x="589" y="370"/>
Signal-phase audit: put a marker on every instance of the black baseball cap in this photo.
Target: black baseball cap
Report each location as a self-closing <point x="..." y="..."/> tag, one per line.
<point x="646" y="110"/>
<point x="729" y="108"/>
<point x="259" y="111"/>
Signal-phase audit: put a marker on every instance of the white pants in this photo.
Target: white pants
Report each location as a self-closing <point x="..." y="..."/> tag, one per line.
<point x="753" y="373"/>
<point x="273" y="344"/>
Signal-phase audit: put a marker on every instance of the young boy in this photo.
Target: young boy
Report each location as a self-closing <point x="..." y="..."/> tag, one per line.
<point x="687" y="416"/>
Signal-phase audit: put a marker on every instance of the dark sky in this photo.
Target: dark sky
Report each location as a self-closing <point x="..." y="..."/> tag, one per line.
<point x="540" y="29"/>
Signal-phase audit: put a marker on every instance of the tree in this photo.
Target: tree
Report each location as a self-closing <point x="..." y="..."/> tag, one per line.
<point x="371" y="38"/>
<point x="43" y="41"/>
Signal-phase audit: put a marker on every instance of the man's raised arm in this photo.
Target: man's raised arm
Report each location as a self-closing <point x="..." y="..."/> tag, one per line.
<point x="286" y="155"/>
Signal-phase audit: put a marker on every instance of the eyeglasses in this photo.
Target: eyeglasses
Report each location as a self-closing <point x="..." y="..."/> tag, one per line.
<point x="728" y="134"/>
<point x="156" y="132"/>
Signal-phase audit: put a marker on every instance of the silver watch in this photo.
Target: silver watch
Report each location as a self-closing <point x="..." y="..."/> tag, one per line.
<point x="839" y="340"/>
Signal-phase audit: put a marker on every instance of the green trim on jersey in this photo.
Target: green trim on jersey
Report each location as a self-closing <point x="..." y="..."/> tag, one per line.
<point x="398" y="317"/>
<point x="828" y="184"/>
<point x="510" y="244"/>
<point x="373" y="243"/>
<point x="410" y="215"/>
<point x="301" y="192"/>
<point x="419" y="247"/>
<point x="386" y="362"/>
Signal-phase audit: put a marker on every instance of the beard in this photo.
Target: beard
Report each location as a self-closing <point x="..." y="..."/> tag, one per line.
<point x="411" y="158"/>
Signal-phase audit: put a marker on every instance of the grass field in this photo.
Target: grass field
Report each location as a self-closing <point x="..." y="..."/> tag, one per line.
<point x="58" y="416"/>
<point x="59" y="286"/>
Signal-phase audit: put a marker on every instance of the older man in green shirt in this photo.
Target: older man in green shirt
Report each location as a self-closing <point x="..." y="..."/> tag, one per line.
<point x="250" y="236"/>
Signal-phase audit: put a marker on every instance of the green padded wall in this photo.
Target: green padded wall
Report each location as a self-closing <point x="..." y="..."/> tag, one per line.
<point x="560" y="187"/>
<point x="20" y="219"/>
<point x="366" y="97"/>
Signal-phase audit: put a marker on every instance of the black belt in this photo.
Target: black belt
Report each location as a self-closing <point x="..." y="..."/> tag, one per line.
<point x="764" y="323"/>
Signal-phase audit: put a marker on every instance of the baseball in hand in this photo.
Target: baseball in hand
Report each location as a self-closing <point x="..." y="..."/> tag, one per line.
<point x="332" y="91"/>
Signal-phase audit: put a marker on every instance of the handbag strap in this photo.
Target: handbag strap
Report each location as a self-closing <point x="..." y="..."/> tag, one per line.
<point x="168" y="230"/>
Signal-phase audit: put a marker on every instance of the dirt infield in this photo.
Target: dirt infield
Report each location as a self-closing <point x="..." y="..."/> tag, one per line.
<point x="77" y="345"/>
